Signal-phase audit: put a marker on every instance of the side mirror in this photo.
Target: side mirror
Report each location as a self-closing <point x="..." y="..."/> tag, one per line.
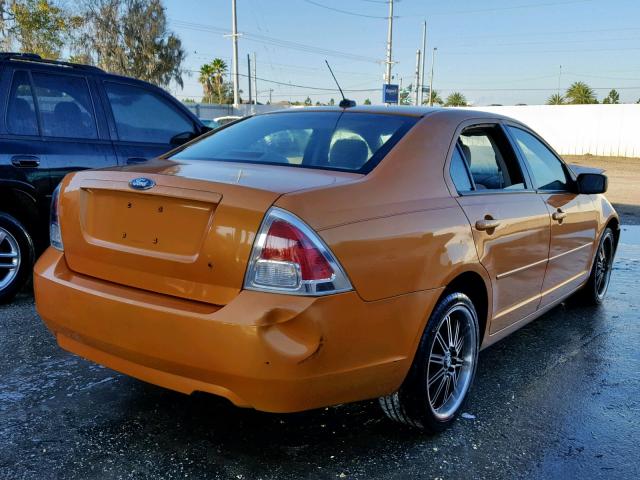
<point x="591" y="183"/>
<point x="181" y="138"/>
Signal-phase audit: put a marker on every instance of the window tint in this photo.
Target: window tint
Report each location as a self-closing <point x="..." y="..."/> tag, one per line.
<point x="491" y="160"/>
<point x="65" y="106"/>
<point x="458" y="171"/>
<point x="548" y="172"/>
<point x="333" y="140"/>
<point x="143" y="116"/>
<point x="21" y="114"/>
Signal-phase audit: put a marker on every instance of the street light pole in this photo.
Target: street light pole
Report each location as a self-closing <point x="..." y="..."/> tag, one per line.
<point x="417" y="82"/>
<point x="389" y="44"/>
<point x="433" y="61"/>
<point x="234" y="35"/>
<point x="424" y="55"/>
<point x="255" y="79"/>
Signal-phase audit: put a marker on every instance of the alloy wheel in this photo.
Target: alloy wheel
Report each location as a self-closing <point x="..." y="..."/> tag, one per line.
<point x="9" y="258"/>
<point x="604" y="262"/>
<point x="451" y="361"/>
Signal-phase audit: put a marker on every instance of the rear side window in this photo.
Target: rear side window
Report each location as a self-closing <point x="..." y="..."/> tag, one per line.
<point x="491" y="160"/>
<point x="459" y="172"/>
<point x="548" y="172"/>
<point x="349" y="141"/>
<point x="65" y="106"/>
<point x="143" y="116"/>
<point x="21" y="112"/>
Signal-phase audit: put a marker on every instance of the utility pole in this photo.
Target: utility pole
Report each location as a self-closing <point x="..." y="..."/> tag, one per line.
<point x="417" y="82"/>
<point x="234" y="35"/>
<point x="433" y="61"/>
<point x="424" y="55"/>
<point x="559" y="79"/>
<point x="255" y="79"/>
<point x="270" y="92"/>
<point x="389" y="62"/>
<point x="249" y="75"/>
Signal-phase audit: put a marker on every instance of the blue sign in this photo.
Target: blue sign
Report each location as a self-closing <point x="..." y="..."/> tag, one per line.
<point x="390" y="93"/>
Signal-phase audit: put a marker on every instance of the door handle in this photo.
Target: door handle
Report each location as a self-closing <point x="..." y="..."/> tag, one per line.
<point x="487" y="224"/>
<point x="25" y="161"/>
<point x="558" y="215"/>
<point x="135" y="160"/>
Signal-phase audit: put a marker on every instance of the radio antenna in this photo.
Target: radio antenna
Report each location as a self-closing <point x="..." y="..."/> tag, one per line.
<point x="344" y="103"/>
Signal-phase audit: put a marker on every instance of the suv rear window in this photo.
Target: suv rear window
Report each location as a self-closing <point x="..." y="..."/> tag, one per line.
<point x="348" y="141"/>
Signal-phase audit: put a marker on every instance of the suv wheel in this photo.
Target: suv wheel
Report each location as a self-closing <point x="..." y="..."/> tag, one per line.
<point x="16" y="257"/>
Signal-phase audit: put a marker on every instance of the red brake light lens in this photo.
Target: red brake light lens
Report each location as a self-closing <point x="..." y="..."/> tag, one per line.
<point x="286" y="243"/>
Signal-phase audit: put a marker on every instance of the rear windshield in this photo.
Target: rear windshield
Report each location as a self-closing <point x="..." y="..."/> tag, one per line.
<point x="348" y="141"/>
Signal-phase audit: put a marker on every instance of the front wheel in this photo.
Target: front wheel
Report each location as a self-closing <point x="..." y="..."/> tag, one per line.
<point x="16" y="257"/>
<point x="596" y="287"/>
<point x="443" y="370"/>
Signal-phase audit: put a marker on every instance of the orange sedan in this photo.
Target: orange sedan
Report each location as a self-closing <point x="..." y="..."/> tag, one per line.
<point x="307" y="258"/>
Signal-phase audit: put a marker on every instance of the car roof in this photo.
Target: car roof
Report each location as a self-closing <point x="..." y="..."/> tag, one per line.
<point x="402" y="110"/>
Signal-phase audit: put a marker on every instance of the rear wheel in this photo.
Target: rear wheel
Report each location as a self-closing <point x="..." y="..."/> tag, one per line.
<point x="443" y="370"/>
<point x="16" y="257"/>
<point x="596" y="287"/>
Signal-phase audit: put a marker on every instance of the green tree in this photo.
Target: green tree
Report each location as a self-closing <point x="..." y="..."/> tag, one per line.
<point x="580" y="93"/>
<point x="456" y="99"/>
<point x="36" y="26"/>
<point x="131" y="37"/>
<point x="435" y="97"/>
<point x="405" y="96"/>
<point x="367" y="101"/>
<point x="613" y="97"/>
<point x="555" y="99"/>
<point x="212" y="80"/>
<point x="332" y="102"/>
<point x="308" y="102"/>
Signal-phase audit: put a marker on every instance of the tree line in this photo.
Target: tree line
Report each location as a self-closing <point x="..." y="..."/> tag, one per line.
<point x="128" y="37"/>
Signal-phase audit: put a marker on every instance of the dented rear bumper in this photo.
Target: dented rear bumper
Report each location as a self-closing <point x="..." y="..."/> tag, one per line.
<point x="272" y="352"/>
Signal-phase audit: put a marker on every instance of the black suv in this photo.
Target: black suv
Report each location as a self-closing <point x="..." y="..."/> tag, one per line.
<point x="56" y="117"/>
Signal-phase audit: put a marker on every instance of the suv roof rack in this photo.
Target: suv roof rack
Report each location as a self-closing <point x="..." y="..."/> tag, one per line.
<point x="33" y="57"/>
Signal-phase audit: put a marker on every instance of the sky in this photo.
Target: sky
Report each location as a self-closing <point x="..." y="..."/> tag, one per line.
<point x="493" y="51"/>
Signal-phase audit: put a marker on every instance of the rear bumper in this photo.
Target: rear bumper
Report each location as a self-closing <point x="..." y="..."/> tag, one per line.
<point x="275" y="353"/>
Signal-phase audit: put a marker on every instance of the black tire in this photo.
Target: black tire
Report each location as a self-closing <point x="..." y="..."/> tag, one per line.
<point x="412" y="403"/>
<point x="595" y="290"/>
<point x="16" y="248"/>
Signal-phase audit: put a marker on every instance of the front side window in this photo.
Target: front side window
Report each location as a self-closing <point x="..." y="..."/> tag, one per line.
<point x="347" y="141"/>
<point x="144" y="116"/>
<point x="459" y="172"/>
<point x="492" y="162"/>
<point x="21" y="112"/>
<point x="548" y="172"/>
<point x="65" y="106"/>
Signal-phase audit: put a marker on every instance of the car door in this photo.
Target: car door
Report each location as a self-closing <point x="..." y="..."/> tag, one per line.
<point x="73" y="129"/>
<point x="574" y="218"/>
<point x="21" y="146"/>
<point x="509" y="220"/>
<point x="146" y="123"/>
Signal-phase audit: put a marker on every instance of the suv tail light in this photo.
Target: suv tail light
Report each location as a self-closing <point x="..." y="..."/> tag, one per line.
<point x="55" y="237"/>
<point x="289" y="257"/>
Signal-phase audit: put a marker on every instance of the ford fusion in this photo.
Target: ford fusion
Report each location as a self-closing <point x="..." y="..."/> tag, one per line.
<point x="306" y="258"/>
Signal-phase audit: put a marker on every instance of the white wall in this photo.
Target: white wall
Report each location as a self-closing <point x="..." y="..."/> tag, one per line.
<point x="607" y="130"/>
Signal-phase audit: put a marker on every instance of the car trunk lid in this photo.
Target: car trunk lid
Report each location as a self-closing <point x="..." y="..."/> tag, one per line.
<point x="189" y="236"/>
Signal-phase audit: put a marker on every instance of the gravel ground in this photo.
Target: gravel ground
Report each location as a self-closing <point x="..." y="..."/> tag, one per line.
<point x="558" y="399"/>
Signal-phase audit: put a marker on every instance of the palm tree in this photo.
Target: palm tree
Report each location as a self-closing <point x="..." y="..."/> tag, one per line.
<point x="555" y="99"/>
<point x="456" y="99"/>
<point x="613" y="97"/>
<point x="212" y="79"/>
<point x="580" y="93"/>
<point x="435" y="99"/>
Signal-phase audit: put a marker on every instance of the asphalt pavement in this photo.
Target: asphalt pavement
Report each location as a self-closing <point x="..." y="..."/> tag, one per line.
<point x="558" y="399"/>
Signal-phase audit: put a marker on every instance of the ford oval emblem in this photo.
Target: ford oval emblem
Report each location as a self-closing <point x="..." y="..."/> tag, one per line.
<point x="142" y="183"/>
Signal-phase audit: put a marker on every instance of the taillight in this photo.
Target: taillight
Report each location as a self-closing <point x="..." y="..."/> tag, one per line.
<point x="55" y="237"/>
<point x="289" y="257"/>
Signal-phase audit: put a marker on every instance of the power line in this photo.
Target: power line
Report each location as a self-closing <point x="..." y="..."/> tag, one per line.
<point x="511" y="7"/>
<point x="346" y="12"/>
